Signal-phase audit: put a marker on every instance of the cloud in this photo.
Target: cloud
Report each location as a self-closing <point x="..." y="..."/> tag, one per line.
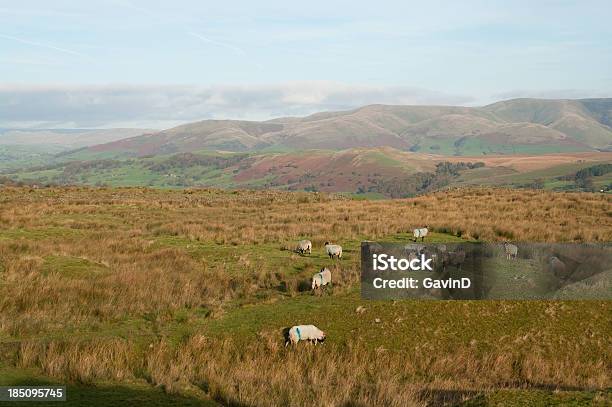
<point x="162" y="106"/>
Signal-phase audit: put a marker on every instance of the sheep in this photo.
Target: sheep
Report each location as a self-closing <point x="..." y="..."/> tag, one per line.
<point x="420" y="233"/>
<point x="511" y="250"/>
<point x="333" y="250"/>
<point x="321" y="279"/>
<point x="557" y="267"/>
<point x="304" y="333"/>
<point x="304" y="246"/>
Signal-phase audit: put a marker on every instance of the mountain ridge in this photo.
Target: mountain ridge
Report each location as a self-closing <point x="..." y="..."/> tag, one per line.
<point x="507" y="127"/>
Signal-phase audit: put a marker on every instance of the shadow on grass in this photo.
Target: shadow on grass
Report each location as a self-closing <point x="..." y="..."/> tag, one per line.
<point x="435" y="397"/>
<point x="537" y="395"/>
<point x="107" y="395"/>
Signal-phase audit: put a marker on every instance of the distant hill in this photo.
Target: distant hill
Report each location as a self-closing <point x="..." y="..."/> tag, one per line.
<point x="29" y="147"/>
<point x="64" y="139"/>
<point x="518" y="126"/>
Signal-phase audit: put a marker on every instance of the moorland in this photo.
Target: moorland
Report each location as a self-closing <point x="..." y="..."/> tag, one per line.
<point x="180" y="297"/>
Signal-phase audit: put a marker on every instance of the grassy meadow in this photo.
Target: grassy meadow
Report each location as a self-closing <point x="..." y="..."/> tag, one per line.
<point x="179" y="297"/>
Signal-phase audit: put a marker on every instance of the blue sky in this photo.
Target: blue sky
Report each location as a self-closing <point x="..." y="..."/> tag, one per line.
<point x="188" y="60"/>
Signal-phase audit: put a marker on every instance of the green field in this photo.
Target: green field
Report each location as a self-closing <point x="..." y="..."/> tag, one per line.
<point x="378" y="172"/>
<point x="481" y="147"/>
<point x="13" y="157"/>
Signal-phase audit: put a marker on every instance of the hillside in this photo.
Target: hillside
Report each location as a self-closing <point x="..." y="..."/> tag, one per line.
<point x="519" y="126"/>
<point x="369" y="172"/>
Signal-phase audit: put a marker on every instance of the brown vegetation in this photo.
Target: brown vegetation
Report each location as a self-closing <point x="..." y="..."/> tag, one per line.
<point x="264" y="373"/>
<point x="81" y="260"/>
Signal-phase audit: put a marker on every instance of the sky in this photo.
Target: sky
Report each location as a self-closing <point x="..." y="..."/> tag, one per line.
<point x="155" y="64"/>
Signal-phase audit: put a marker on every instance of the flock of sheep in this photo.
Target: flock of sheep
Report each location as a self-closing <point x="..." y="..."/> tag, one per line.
<point x="321" y="279"/>
<point x="324" y="277"/>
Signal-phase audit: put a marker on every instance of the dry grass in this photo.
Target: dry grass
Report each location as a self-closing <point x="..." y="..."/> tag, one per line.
<point x="246" y="217"/>
<point x="79" y="259"/>
<point x="116" y="230"/>
<point x="267" y="374"/>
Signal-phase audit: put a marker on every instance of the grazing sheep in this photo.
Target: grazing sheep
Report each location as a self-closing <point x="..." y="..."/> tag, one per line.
<point x="420" y="233"/>
<point x="304" y="333"/>
<point x="557" y="267"/>
<point x="333" y="250"/>
<point x="511" y="250"/>
<point x="304" y="246"/>
<point x="321" y="279"/>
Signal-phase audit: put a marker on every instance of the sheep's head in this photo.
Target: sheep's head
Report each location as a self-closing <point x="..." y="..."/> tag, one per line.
<point x="326" y="243"/>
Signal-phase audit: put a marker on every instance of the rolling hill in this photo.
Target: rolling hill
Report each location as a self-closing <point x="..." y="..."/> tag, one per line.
<point x="368" y="172"/>
<point x="376" y="151"/>
<point x="518" y="126"/>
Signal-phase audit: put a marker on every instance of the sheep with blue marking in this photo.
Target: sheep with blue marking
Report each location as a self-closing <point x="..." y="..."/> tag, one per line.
<point x="304" y="333"/>
<point x="321" y="279"/>
<point x="333" y="250"/>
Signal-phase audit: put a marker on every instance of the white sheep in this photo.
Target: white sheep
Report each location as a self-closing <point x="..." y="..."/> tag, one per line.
<point x="557" y="267"/>
<point x="304" y="246"/>
<point x="322" y="278"/>
<point x="333" y="250"/>
<point x="511" y="250"/>
<point x="304" y="333"/>
<point x="420" y="233"/>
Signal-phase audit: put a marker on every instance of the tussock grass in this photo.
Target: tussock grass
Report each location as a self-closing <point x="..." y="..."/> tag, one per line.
<point x="121" y="284"/>
<point x="264" y="373"/>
